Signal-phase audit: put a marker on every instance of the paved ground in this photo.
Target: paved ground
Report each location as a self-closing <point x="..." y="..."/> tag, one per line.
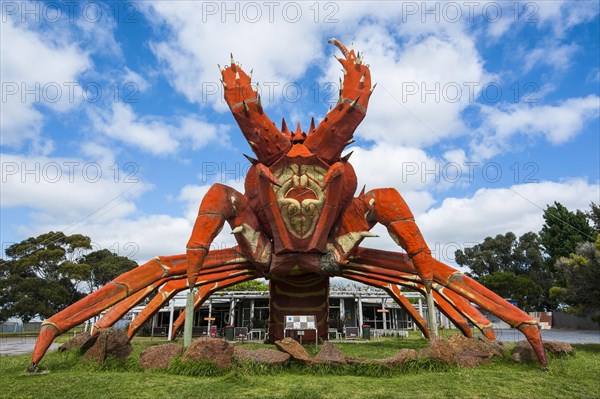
<point x="19" y="345"/>
<point x="569" y="336"/>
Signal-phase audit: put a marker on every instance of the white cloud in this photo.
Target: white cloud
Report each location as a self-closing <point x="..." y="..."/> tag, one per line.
<point x="558" y="15"/>
<point x="97" y="32"/>
<point x="458" y="223"/>
<point x="556" y="123"/>
<point x="393" y="166"/>
<point x="154" y="134"/>
<point x="278" y="51"/>
<point x="488" y="212"/>
<point x="563" y="15"/>
<point x="99" y="153"/>
<point x="413" y="55"/>
<point x="422" y="85"/>
<point x="66" y="189"/>
<point x="145" y="133"/>
<point x="555" y="55"/>
<point x="139" y="236"/>
<point x="35" y="71"/>
<point x="135" y="78"/>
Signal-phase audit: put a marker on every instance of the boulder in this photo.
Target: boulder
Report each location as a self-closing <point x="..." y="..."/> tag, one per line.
<point x="294" y="349"/>
<point x="215" y="350"/>
<point x="81" y="342"/>
<point x="109" y="342"/>
<point x="460" y="350"/>
<point x="399" y="358"/>
<point x="438" y="350"/>
<point x="359" y="360"/>
<point x="558" y="348"/>
<point x="329" y="354"/>
<point x="269" y="357"/>
<point x="97" y="353"/>
<point x="117" y="344"/>
<point x="159" y="356"/>
<point x="523" y="352"/>
<point x="497" y="346"/>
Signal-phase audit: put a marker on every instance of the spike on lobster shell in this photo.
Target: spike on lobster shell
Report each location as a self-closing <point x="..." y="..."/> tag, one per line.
<point x="312" y="125"/>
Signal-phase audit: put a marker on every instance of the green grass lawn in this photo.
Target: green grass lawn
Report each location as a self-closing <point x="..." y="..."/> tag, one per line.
<point x="572" y="377"/>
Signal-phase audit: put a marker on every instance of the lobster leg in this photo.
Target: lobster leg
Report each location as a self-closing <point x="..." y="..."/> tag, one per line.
<point x="386" y="266"/>
<point x="389" y="208"/>
<point x="112" y="293"/>
<point x="352" y="271"/>
<point x="171" y="288"/>
<point x="466" y="287"/>
<point x="465" y="307"/>
<point x="397" y="295"/>
<point x="164" y="295"/>
<point x="220" y="204"/>
<point x="119" y="289"/>
<point x="204" y="291"/>
<point x="117" y="311"/>
<point x="457" y="309"/>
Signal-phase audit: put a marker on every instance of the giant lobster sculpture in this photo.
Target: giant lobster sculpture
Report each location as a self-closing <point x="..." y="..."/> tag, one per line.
<point x="298" y="224"/>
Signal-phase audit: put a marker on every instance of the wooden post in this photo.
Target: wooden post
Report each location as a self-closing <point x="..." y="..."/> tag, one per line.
<point x="360" y="315"/>
<point x="431" y="322"/>
<point x="383" y="314"/>
<point x="171" y="314"/>
<point x="209" y="317"/>
<point x="231" y="320"/>
<point x="189" y="319"/>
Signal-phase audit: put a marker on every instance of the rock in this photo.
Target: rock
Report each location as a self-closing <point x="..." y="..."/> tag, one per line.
<point x="438" y="350"/>
<point x="109" y="342"/>
<point x="460" y="350"/>
<point x="215" y="350"/>
<point x="269" y="357"/>
<point x="497" y="346"/>
<point x="294" y="349"/>
<point x="399" y="358"/>
<point x="360" y="360"/>
<point x="329" y="354"/>
<point x="97" y="353"/>
<point x="523" y="352"/>
<point x="117" y="344"/>
<point x="159" y="356"/>
<point x="558" y="348"/>
<point x="82" y="342"/>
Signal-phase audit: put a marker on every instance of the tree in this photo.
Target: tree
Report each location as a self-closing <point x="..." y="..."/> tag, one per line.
<point x="581" y="272"/>
<point x="25" y="295"/>
<point x="564" y="231"/>
<point x="44" y="255"/>
<point x="594" y="216"/>
<point x="98" y="268"/>
<point x="511" y="267"/>
<point x="251" y="285"/>
<point x="34" y="283"/>
<point x="491" y="256"/>
<point x="521" y="288"/>
<point x="43" y="274"/>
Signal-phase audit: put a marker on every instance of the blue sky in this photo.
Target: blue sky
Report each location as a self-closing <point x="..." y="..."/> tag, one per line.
<point x="113" y="124"/>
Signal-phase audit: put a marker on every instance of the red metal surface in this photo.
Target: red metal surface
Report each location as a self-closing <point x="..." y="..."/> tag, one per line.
<point x="298" y="223"/>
